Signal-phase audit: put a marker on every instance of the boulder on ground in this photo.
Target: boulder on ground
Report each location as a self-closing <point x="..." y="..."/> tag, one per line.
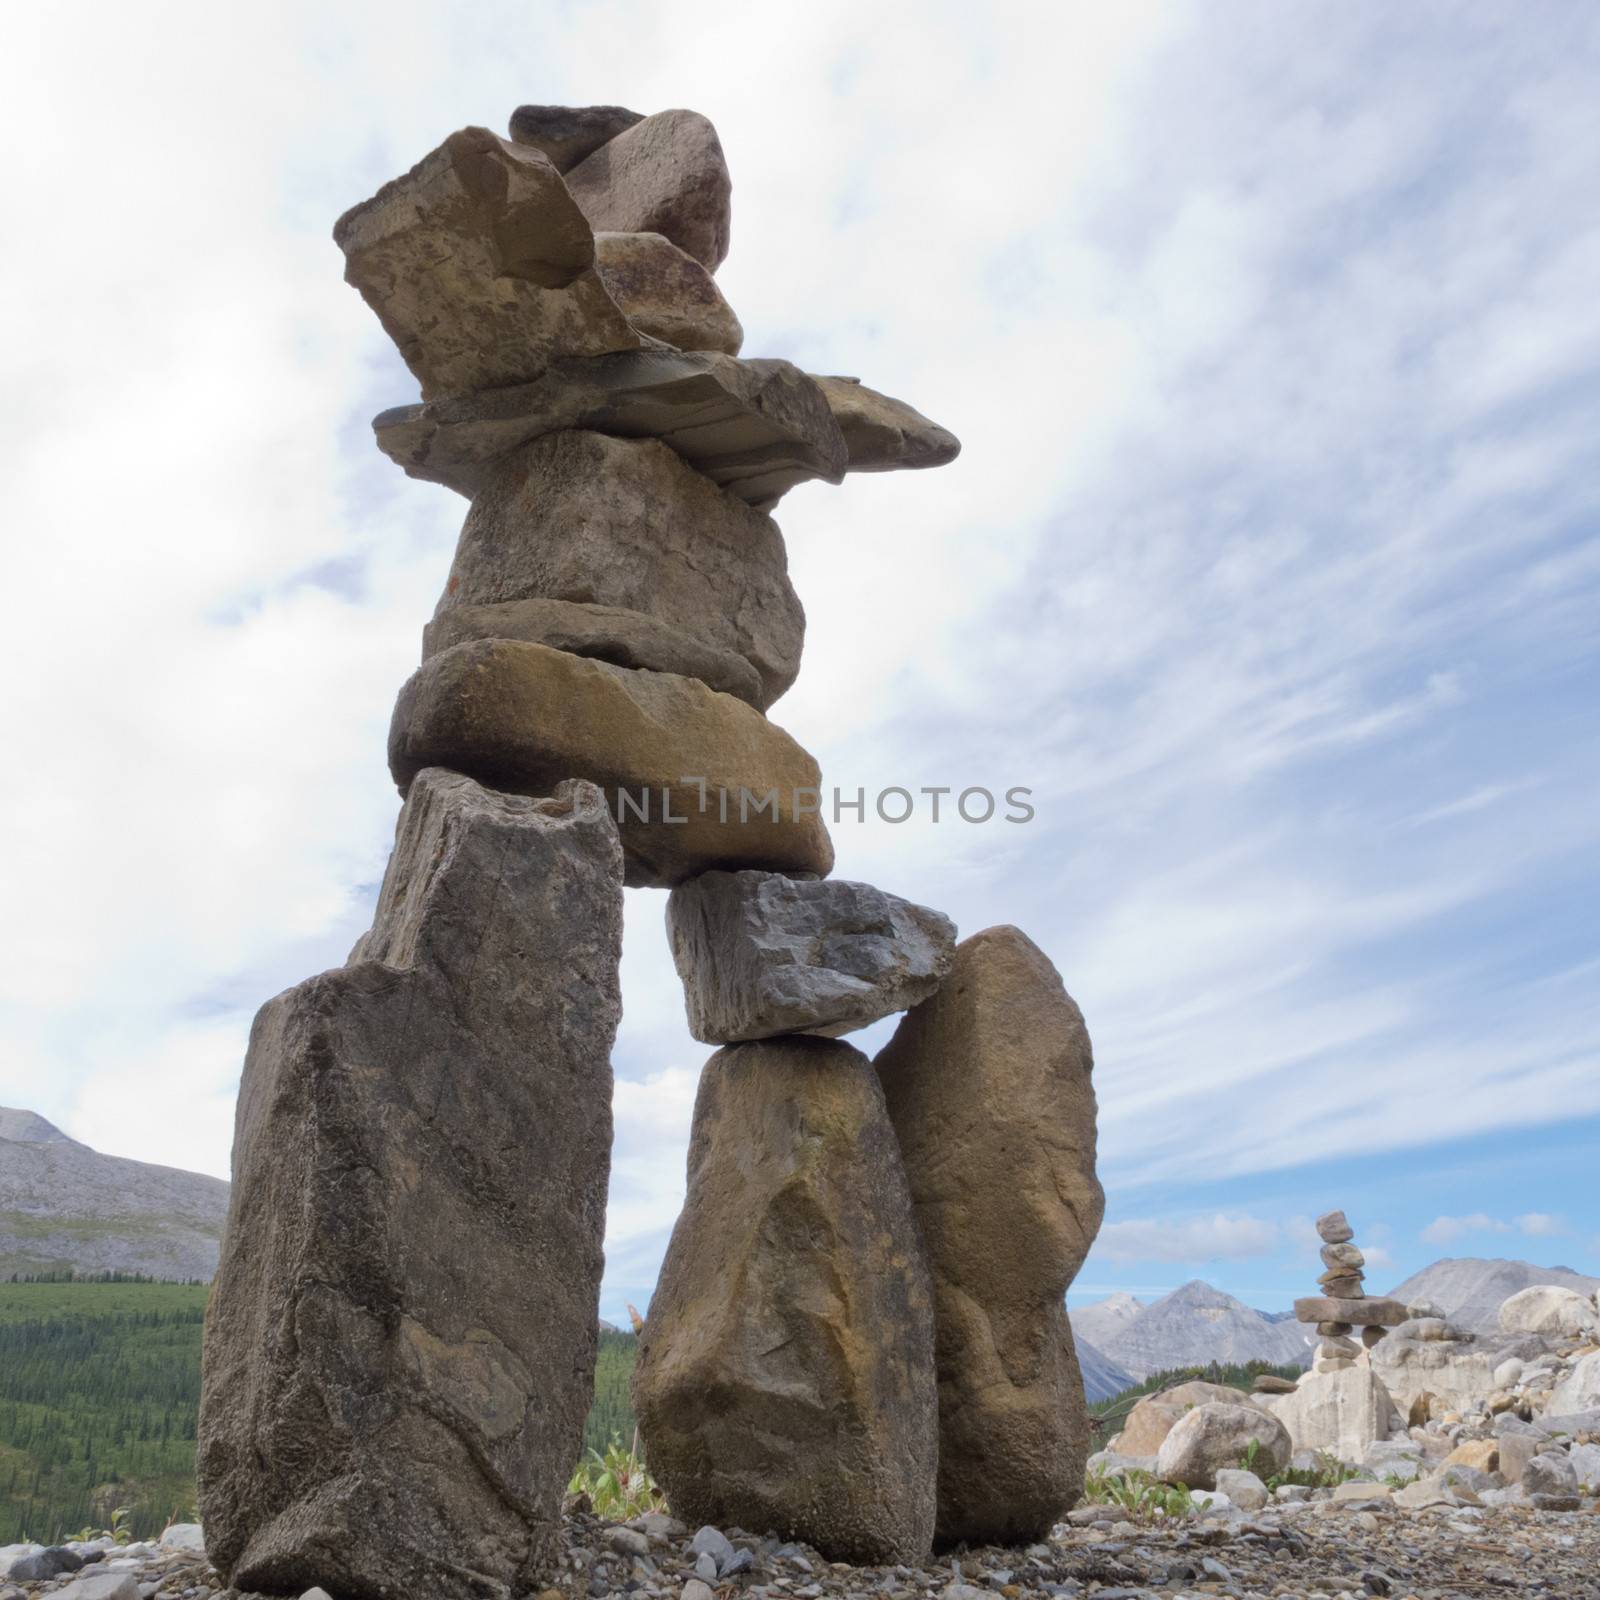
<point x="481" y="267"/>
<point x="664" y="174"/>
<point x="666" y="293"/>
<point x="626" y="523"/>
<point x="1242" y="1489"/>
<point x="755" y="428"/>
<point x="1217" y="1435"/>
<point x="606" y="633"/>
<point x="989" y="1086"/>
<point x="695" y="779"/>
<point x="1552" y="1311"/>
<point x="1152" y="1418"/>
<point x="1579" y="1390"/>
<point x="785" y="1381"/>
<point x="566" y="134"/>
<point x="761" y="954"/>
<point x="400" y="1342"/>
<point x="1343" y="1412"/>
<point x="883" y="434"/>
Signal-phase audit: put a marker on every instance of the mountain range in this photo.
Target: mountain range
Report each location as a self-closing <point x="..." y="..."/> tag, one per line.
<point x="1192" y="1326"/>
<point x="1469" y="1291"/>
<point x="64" y="1206"/>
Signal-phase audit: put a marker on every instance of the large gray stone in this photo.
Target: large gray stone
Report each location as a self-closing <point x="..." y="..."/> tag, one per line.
<point x="696" y="780"/>
<point x="755" y="428"/>
<point x="665" y="174"/>
<point x="481" y="267"/>
<point x="400" y="1343"/>
<point x="604" y="633"/>
<point x="883" y="434"/>
<point x="785" y="1381"/>
<point x="1217" y="1435"/>
<point x="1358" y="1313"/>
<point x="761" y="954"/>
<point x="666" y="293"/>
<point x="989" y="1087"/>
<point x="625" y="523"/>
<point x="569" y="133"/>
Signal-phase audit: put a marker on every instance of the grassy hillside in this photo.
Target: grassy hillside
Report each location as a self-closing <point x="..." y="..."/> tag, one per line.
<point x="99" y="1389"/>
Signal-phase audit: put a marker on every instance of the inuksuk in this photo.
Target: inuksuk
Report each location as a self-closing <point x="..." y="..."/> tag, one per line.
<point x="859" y="1335"/>
<point x="1343" y="1305"/>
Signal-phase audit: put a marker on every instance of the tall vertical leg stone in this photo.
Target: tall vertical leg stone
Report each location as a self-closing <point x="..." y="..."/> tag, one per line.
<point x="400" y="1344"/>
<point x="785" y="1377"/>
<point x="988" y="1084"/>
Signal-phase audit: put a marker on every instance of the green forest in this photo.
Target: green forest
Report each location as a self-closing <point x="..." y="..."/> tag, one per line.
<point x="100" y="1386"/>
<point x="99" y="1391"/>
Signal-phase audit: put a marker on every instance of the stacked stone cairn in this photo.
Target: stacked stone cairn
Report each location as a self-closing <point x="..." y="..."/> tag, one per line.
<point x="1343" y="1305"/>
<point x="859" y="1336"/>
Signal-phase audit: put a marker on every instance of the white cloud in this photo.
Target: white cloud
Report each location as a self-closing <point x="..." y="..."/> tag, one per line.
<point x="1222" y="1237"/>
<point x="1531" y="1224"/>
<point x="1270" y="540"/>
<point x="1542" y="1225"/>
<point x="1446" y="1230"/>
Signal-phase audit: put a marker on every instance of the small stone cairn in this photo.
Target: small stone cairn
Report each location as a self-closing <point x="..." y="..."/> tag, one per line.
<point x="1343" y="1305"/>
<point x="859" y="1335"/>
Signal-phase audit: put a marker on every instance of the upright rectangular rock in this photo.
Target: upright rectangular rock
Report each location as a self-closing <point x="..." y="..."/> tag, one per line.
<point x="785" y="1380"/>
<point x="988" y="1084"/>
<point x="400" y="1344"/>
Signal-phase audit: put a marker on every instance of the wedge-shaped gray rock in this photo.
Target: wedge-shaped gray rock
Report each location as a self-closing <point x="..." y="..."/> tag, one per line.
<point x="625" y="522"/>
<point x="400" y="1344"/>
<point x="603" y="633"/>
<point x="989" y="1087"/>
<point x="761" y="954"/>
<point x="664" y="175"/>
<point x="568" y="133"/>
<point x="666" y="293"/>
<point x="883" y="434"/>
<point x="481" y="267"/>
<point x="785" y="1380"/>
<point x="756" y="428"/>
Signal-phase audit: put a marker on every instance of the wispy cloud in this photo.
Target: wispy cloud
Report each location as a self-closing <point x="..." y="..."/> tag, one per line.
<point x="1531" y="1224"/>
<point x="1223" y="1237"/>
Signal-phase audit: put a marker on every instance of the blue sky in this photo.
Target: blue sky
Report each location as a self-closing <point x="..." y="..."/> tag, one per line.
<point x="1270" y="563"/>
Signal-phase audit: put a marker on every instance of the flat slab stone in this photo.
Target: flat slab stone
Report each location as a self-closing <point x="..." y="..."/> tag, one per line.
<point x="1357" y="1313"/>
<point x="664" y="292"/>
<point x="883" y="434"/>
<point x="400" y="1342"/>
<point x="607" y="633"/>
<point x="665" y="174"/>
<point x="785" y="1379"/>
<point x="582" y="516"/>
<point x="481" y="267"/>
<point x="761" y="954"/>
<point x="566" y="134"/>
<point x="755" y="428"/>
<point x="522" y="717"/>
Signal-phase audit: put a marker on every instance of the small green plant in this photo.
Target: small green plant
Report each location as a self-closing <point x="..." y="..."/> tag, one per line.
<point x="617" y="1482"/>
<point x="1326" y="1472"/>
<point x="121" y="1529"/>
<point x="1138" y="1493"/>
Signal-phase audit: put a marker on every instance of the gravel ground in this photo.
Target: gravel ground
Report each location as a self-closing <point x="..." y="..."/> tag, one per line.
<point x="1321" y="1550"/>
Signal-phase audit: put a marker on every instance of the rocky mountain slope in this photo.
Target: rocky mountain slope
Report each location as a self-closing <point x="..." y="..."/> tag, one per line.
<point x="64" y="1205"/>
<point x="1189" y="1327"/>
<point x="1105" y="1321"/>
<point x="1102" y="1377"/>
<point x="1470" y="1290"/>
